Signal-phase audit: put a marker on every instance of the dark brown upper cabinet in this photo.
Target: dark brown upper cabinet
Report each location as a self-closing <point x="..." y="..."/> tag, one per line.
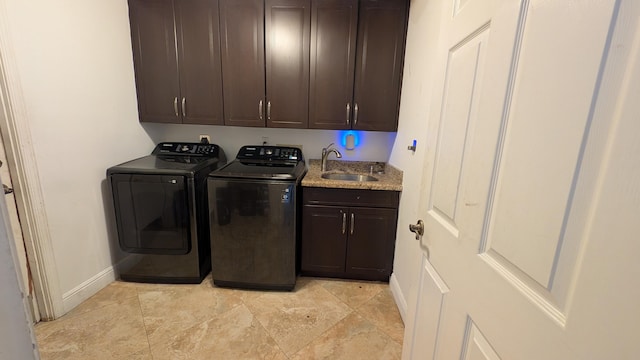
<point x="357" y="51"/>
<point x="287" y="25"/>
<point x="265" y="61"/>
<point x="176" y="52"/>
<point x="242" y="36"/>
<point x="334" y="26"/>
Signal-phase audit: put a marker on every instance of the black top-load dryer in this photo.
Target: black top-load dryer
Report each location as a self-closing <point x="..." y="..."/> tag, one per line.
<point x="161" y="212"/>
<point x="254" y="218"/>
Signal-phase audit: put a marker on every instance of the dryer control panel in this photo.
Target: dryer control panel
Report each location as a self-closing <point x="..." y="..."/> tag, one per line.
<point x="269" y="153"/>
<point x="186" y="149"/>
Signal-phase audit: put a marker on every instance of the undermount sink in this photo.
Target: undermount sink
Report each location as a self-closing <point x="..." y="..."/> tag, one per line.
<point x="348" y="177"/>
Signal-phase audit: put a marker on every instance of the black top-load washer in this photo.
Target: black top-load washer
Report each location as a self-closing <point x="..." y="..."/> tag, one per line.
<point x="161" y="212"/>
<point x="254" y="218"/>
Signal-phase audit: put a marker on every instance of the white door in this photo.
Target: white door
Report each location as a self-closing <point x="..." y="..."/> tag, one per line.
<point x="16" y="230"/>
<point x="532" y="223"/>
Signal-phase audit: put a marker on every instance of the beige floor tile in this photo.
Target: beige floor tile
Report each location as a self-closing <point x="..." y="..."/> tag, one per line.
<point x="382" y="311"/>
<point x="235" y="334"/>
<point x="115" y="293"/>
<point x="295" y="318"/>
<point x="109" y="332"/>
<point x="351" y="339"/>
<point x="353" y="293"/>
<point x="170" y="309"/>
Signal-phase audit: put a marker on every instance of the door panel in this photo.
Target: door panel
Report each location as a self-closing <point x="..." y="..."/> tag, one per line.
<point x="243" y="75"/>
<point x="155" y="59"/>
<point x="463" y="78"/>
<point x="334" y="24"/>
<point x="425" y="324"/>
<point x="287" y="26"/>
<point x="380" y="52"/>
<point x="200" y="69"/>
<point x="476" y="346"/>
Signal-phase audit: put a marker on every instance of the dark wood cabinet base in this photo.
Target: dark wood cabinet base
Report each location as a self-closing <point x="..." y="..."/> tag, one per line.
<point x="348" y="233"/>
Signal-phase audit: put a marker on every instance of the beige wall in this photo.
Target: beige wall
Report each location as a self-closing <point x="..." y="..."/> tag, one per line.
<point x="73" y="59"/>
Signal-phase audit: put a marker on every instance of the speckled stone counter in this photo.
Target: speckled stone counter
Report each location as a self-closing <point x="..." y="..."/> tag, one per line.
<point x="391" y="180"/>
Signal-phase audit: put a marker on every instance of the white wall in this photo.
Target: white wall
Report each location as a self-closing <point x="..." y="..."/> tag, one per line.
<point x="75" y="67"/>
<point x="415" y="110"/>
<point x="74" y="61"/>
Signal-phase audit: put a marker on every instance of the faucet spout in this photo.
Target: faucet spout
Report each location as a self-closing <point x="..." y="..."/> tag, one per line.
<point x="325" y="154"/>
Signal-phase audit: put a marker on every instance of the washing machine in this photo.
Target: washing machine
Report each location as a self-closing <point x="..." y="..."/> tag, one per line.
<point x="254" y="205"/>
<point x="161" y="211"/>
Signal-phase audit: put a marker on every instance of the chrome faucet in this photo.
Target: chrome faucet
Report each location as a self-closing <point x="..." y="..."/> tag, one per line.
<point x="325" y="154"/>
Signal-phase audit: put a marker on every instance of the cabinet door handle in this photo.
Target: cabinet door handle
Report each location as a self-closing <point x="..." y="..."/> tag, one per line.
<point x="268" y="110"/>
<point x="348" y="113"/>
<point x="353" y="220"/>
<point x="355" y="114"/>
<point x="175" y="106"/>
<point x="260" y="109"/>
<point x="184" y="107"/>
<point x="344" y="222"/>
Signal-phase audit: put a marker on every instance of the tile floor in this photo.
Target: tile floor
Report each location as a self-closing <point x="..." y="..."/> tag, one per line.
<point x="320" y="319"/>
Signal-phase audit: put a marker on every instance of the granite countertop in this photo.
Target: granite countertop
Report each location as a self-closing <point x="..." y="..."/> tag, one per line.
<point x="391" y="180"/>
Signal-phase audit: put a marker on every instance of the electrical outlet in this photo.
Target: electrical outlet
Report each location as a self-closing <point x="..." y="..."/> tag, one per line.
<point x="265" y="140"/>
<point x="201" y="137"/>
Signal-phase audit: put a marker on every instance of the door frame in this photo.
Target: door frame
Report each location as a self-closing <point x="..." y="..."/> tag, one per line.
<point x="21" y="159"/>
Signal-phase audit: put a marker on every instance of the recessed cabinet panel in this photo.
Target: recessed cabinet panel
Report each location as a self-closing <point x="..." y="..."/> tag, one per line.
<point x="243" y="72"/>
<point x="199" y="54"/>
<point x="287" y="26"/>
<point x="334" y="24"/>
<point x="155" y="60"/>
<point x="325" y="244"/>
<point x="381" y="38"/>
<point x="368" y="255"/>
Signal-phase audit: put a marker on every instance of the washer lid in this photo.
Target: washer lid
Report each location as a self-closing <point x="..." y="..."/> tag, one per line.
<point x="252" y="170"/>
<point x="160" y="164"/>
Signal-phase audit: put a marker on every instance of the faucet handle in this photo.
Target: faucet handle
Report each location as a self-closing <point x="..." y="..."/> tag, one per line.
<point x="330" y="145"/>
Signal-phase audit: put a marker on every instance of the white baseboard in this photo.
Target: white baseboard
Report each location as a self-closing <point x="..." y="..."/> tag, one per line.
<point x="87" y="289"/>
<point x="398" y="296"/>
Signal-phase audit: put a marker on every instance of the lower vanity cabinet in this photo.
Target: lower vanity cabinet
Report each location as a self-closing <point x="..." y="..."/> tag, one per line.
<point x="348" y="233"/>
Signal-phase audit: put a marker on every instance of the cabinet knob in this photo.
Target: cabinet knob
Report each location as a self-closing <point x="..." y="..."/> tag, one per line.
<point x="417" y="229"/>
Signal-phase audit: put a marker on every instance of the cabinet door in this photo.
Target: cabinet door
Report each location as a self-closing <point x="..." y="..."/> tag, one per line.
<point x="199" y="55"/>
<point x="371" y="243"/>
<point x="333" y="52"/>
<point x="287" y="27"/>
<point x="381" y="38"/>
<point x="155" y="60"/>
<point x="324" y="240"/>
<point x="243" y="79"/>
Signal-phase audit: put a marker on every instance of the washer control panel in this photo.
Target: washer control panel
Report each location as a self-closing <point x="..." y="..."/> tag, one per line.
<point x="269" y="153"/>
